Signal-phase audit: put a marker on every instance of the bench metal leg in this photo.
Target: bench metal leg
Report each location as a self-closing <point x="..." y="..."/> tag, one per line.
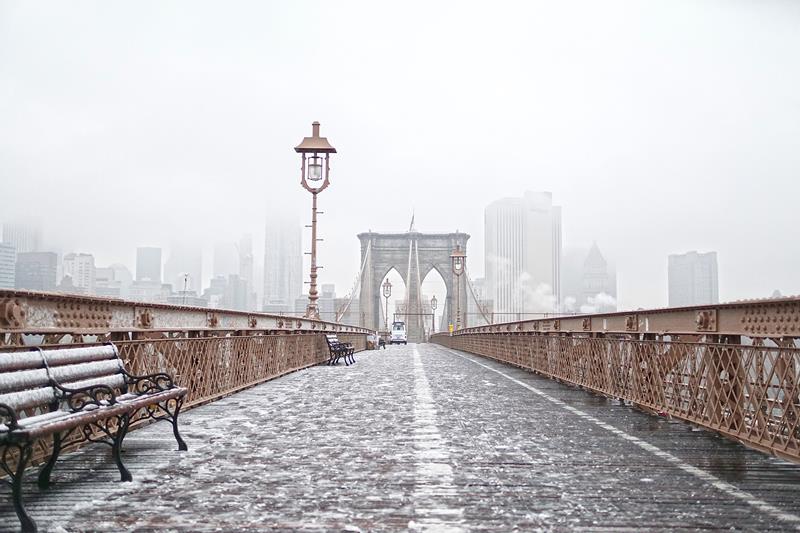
<point x="174" y="419"/>
<point x="116" y="447"/>
<point x="47" y="469"/>
<point x="15" y="473"/>
<point x="169" y="410"/>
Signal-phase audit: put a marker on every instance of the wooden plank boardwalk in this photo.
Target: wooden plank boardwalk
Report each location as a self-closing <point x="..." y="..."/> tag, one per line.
<point x="420" y="438"/>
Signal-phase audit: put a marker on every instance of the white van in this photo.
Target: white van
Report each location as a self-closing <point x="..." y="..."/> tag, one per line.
<point x="398" y="333"/>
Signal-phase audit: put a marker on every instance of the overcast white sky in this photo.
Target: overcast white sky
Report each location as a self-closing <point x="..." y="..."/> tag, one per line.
<point x="660" y="127"/>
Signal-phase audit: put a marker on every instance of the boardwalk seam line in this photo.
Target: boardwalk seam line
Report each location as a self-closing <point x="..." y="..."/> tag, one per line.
<point x="699" y="473"/>
<point x="434" y="472"/>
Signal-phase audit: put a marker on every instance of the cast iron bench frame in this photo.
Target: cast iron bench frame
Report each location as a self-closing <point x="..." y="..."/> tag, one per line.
<point x="338" y="350"/>
<point x="85" y="390"/>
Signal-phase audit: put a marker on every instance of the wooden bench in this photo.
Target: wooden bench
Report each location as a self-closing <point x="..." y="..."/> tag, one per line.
<point x="74" y="395"/>
<point x="339" y="350"/>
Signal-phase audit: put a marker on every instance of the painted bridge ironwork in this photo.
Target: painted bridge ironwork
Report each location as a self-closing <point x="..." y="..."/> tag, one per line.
<point x="730" y="368"/>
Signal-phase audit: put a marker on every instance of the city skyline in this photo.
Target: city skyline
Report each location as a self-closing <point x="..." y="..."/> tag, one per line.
<point x="593" y="290"/>
<point x="523" y="107"/>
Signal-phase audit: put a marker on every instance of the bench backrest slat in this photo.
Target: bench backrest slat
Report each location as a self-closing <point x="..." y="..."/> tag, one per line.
<point x="29" y="398"/>
<point x="20" y="361"/>
<point x="69" y="356"/>
<point x="115" y="382"/>
<point x="62" y="356"/>
<point x="26" y="383"/>
<point x="67" y="373"/>
<point x="26" y="379"/>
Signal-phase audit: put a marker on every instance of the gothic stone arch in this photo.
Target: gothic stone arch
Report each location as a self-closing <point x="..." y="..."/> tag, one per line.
<point x="393" y="250"/>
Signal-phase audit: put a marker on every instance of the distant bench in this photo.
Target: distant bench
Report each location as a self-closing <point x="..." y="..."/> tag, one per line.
<point x="56" y="393"/>
<point x="339" y="350"/>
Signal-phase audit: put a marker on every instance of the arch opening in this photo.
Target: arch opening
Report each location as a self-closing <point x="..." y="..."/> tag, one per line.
<point x="433" y="285"/>
<point x="389" y="309"/>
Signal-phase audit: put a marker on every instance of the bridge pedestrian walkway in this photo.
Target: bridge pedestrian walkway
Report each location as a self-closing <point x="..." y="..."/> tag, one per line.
<point x="423" y="438"/>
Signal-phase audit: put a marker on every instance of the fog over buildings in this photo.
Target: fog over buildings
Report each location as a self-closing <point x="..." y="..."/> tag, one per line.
<point x="657" y="129"/>
<point x="693" y="279"/>
<point x="523" y="255"/>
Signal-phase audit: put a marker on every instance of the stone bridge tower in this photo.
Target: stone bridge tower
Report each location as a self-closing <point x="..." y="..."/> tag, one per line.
<point x="413" y="255"/>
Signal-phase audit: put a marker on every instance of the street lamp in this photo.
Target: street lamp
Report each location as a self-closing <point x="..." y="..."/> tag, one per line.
<point x="387" y="291"/>
<point x="459" y="259"/>
<point x="312" y="152"/>
<point x="185" y="286"/>
<point x="434" y="305"/>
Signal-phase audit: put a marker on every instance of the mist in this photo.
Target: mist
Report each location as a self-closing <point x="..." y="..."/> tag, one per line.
<point x="659" y="127"/>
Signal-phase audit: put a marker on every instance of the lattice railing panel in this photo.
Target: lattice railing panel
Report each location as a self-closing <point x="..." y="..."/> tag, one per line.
<point x="747" y="392"/>
<point x="211" y="367"/>
<point x="216" y="366"/>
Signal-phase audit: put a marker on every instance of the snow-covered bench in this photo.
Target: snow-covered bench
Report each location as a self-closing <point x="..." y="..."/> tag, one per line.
<point x="74" y="394"/>
<point x="338" y="350"/>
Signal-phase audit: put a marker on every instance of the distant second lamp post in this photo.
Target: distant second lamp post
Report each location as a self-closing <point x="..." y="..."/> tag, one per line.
<point x="434" y="305"/>
<point x="314" y="154"/>
<point x="458" y="258"/>
<point x="387" y="291"/>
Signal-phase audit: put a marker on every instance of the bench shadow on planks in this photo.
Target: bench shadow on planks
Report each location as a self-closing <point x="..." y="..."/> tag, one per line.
<point x="339" y="350"/>
<point x="73" y="395"/>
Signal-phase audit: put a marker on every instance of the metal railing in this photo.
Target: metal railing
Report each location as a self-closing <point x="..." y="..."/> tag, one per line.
<point x="732" y="368"/>
<point x="212" y="352"/>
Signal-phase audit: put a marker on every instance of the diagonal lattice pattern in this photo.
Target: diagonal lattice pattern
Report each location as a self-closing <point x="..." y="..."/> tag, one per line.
<point x="746" y="392"/>
<point x="215" y="367"/>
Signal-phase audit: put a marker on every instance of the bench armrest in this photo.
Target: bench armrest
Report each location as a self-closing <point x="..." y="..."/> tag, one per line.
<point x="8" y="418"/>
<point x="79" y="399"/>
<point x="149" y="383"/>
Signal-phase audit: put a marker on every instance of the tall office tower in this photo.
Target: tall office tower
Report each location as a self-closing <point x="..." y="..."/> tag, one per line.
<point x="523" y="255"/>
<point x="597" y="288"/>
<point x="8" y="262"/>
<point x="245" y="252"/>
<point x="693" y="279"/>
<point x="184" y="260"/>
<point x="226" y="259"/>
<point x="327" y="302"/>
<point x="36" y="271"/>
<point x="25" y="236"/>
<point x="283" y="265"/>
<point x="114" y="281"/>
<point x="236" y="295"/>
<point x="79" y="268"/>
<point x="148" y="264"/>
<point x="246" y="265"/>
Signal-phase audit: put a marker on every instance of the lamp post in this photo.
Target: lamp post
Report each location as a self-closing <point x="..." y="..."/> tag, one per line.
<point x="459" y="259"/>
<point x="434" y="305"/>
<point x="387" y="291"/>
<point x="185" y="286"/>
<point x="312" y="172"/>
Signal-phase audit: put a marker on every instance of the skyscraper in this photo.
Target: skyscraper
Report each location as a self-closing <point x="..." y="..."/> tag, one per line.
<point x="36" y="271"/>
<point x="283" y="265"/>
<point x="246" y="264"/>
<point x="25" y="236"/>
<point x="693" y="279"/>
<point x="8" y="260"/>
<point x="183" y="260"/>
<point x="79" y="268"/>
<point x="226" y="259"/>
<point x="588" y="281"/>
<point x="114" y="281"/>
<point x="148" y="264"/>
<point x="523" y="255"/>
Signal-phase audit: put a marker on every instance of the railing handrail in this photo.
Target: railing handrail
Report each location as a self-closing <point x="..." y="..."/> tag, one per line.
<point x="769" y="317"/>
<point x="49" y="312"/>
